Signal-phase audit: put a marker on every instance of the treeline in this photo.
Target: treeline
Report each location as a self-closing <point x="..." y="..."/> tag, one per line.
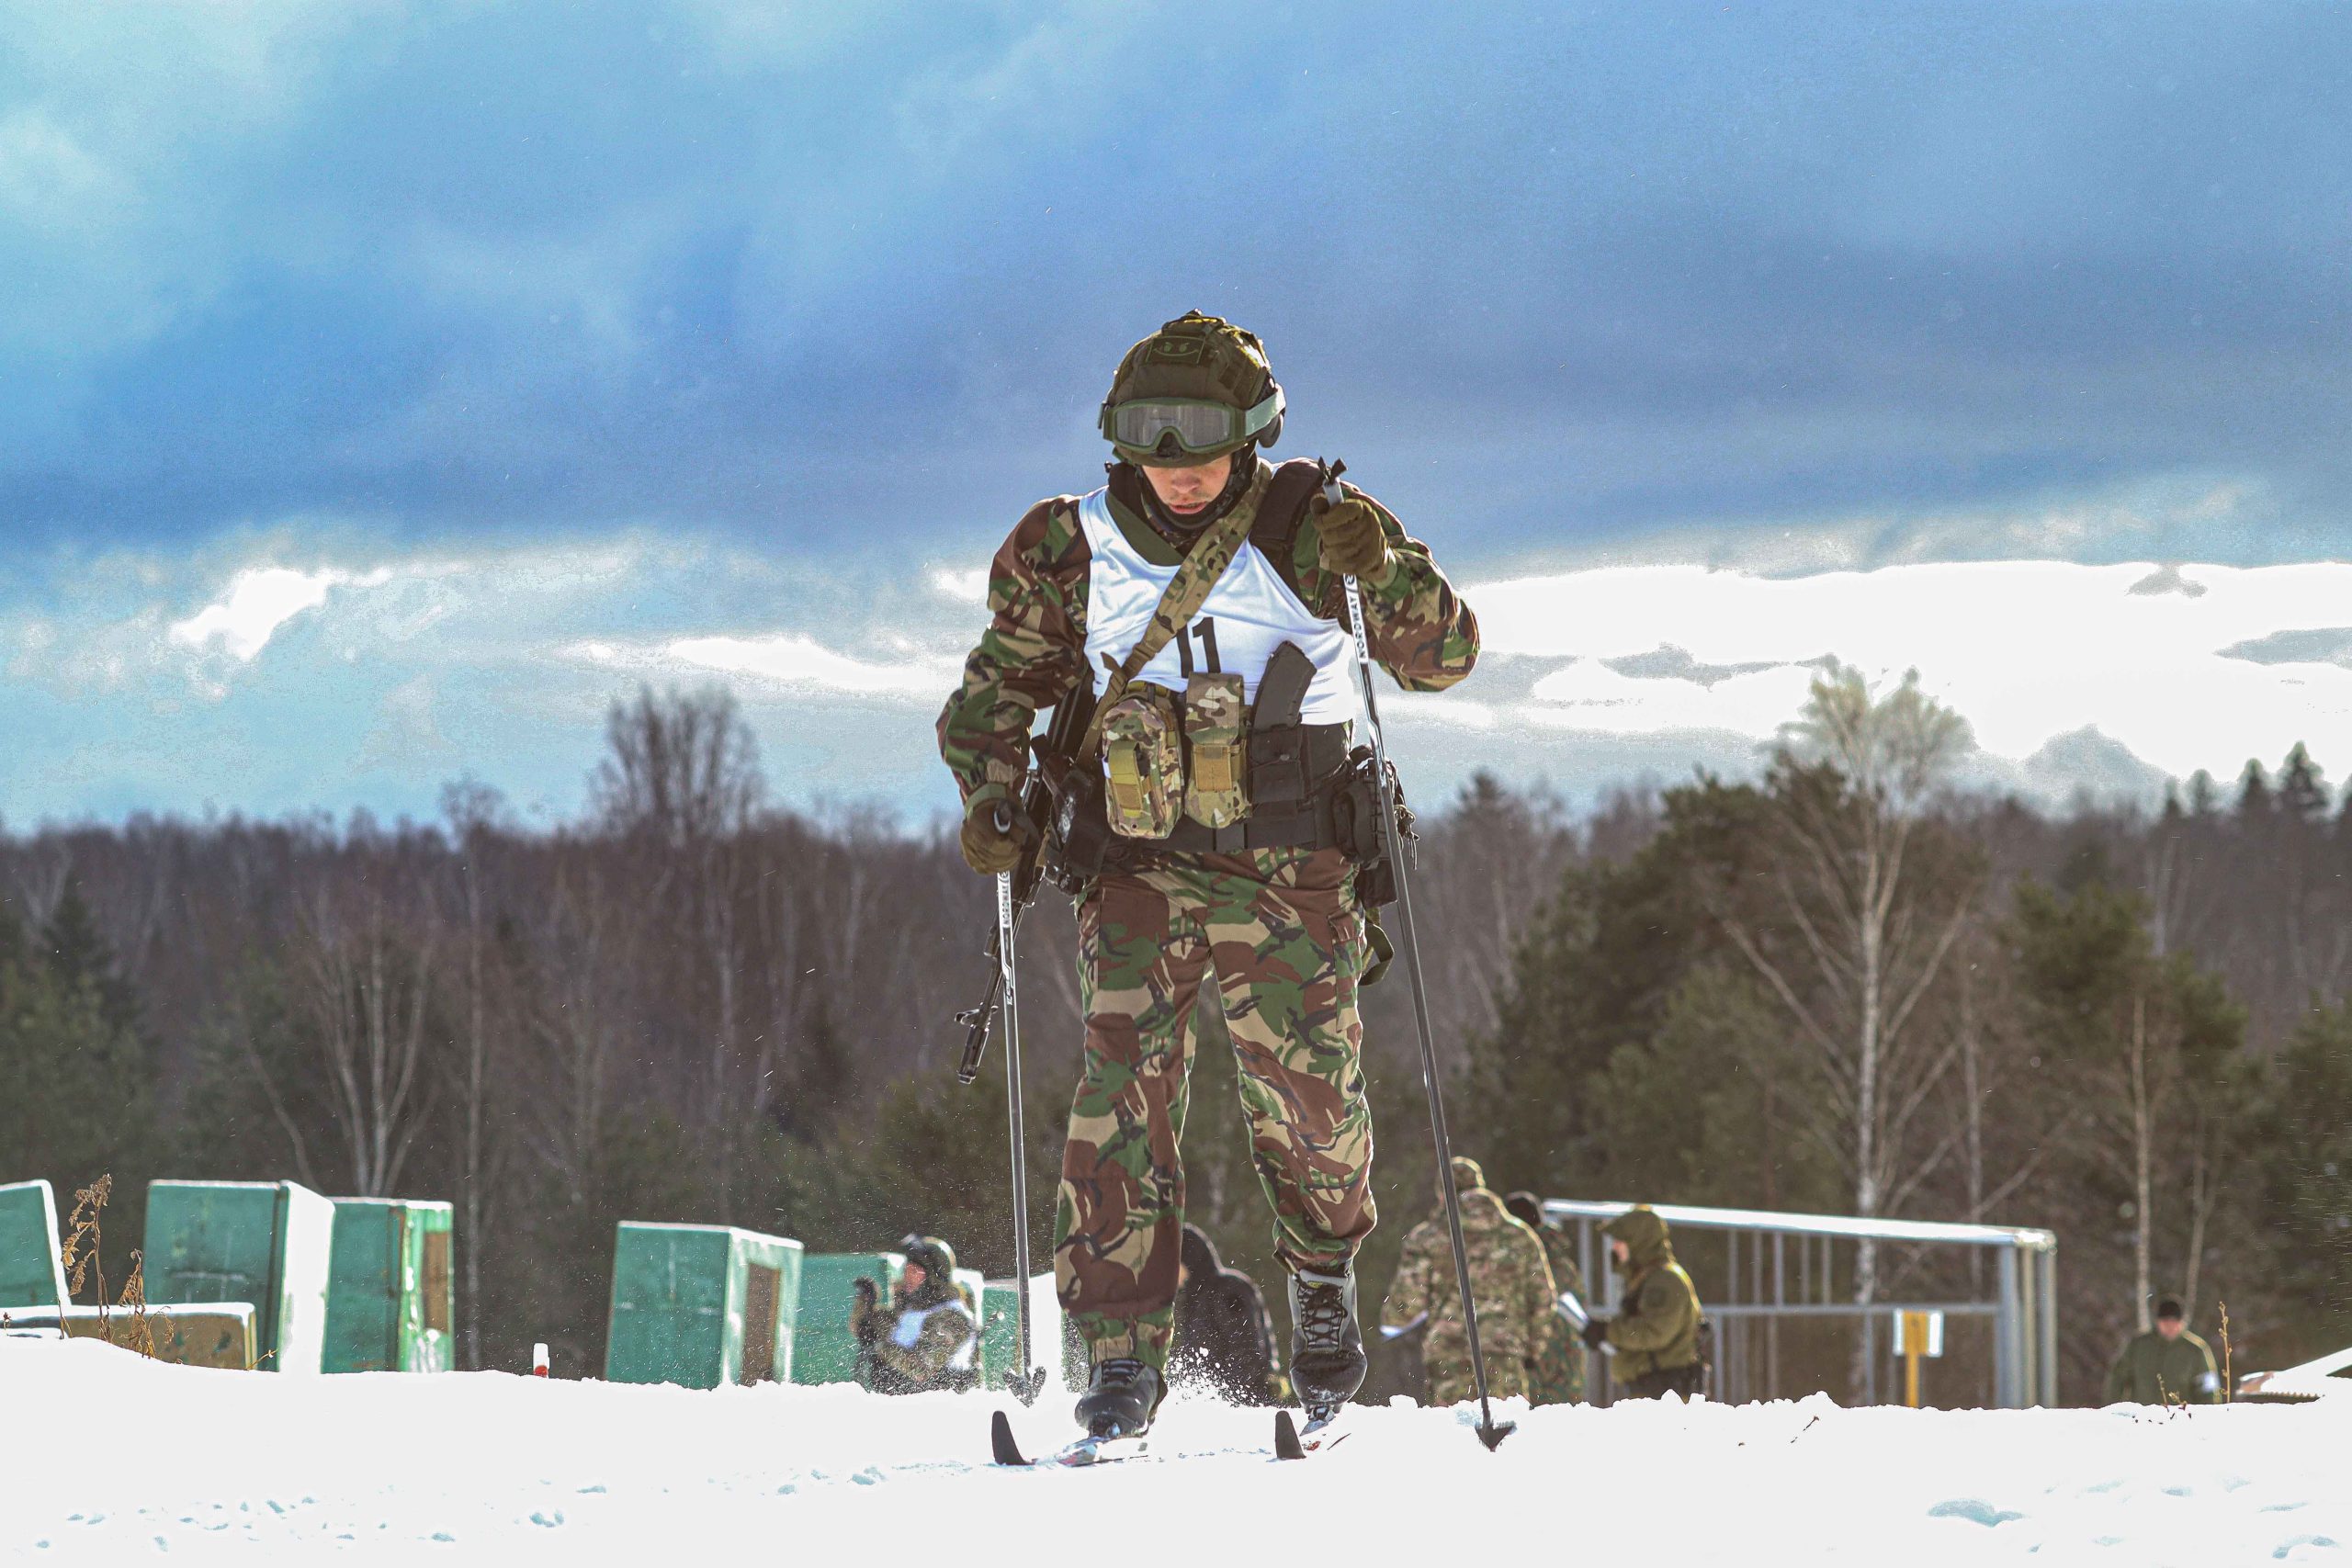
<point x="688" y="1005"/>
<point x="1844" y="989"/>
<point x="1838" y="988"/>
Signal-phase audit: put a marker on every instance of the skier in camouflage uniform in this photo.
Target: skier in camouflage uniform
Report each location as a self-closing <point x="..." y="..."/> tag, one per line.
<point x="1559" y="1371"/>
<point x="1509" y="1274"/>
<point x="1278" y="929"/>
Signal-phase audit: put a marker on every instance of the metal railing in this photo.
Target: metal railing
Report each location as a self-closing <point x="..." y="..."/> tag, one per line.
<point x="1781" y="1268"/>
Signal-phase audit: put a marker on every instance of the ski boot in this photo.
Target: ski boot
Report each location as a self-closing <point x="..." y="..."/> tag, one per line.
<point x="1121" y="1400"/>
<point x="1327" y="1358"/>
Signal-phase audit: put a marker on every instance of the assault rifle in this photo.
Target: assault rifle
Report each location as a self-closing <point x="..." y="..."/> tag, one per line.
<point x="1028" y="818"/>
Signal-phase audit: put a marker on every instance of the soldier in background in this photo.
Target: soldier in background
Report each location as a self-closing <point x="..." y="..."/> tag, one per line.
<point x="1510" y="1276"/>
<point x="1656" y="1330"/>
<point x="1225" y="1340"/>
<point x="2166" y="1365"/>
<point x="1559" y="1371"/>
<point x="930" y="1337"/>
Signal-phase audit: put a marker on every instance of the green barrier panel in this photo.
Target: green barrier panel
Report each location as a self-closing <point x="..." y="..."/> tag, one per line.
<point x="30" y="1273"/>
<point x="824" y="1350"/>
<point x="1000" y="1331"/>
<point x="185" y="1334"/>
<point x="389" y="1287"/>
<point x="268" y="1243"/>
<point x="702" y="1306"/>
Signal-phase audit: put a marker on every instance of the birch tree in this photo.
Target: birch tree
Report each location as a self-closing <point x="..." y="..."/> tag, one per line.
<point x="1863" y="898"/>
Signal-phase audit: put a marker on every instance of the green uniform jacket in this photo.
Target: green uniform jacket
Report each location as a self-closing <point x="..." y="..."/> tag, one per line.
<point x="1657" y="1326"/>
<point x="2157" y="1371"/>
<point x="1034" y="649"/>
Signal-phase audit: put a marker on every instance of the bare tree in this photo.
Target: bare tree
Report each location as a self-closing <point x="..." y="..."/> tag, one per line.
<point x="364" y="998"/>
<point x="1873" y="928"/>
<point x="683" y="766"/>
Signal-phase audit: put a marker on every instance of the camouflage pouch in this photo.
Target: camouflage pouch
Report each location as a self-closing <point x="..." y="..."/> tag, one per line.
<point x="1217" y="779"/>
<point x="1143" y="763"/>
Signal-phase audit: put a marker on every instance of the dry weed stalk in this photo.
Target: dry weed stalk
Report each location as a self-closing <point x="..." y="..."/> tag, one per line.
<point x="2229" y="1385"/>
<point x="80" y="1254"/>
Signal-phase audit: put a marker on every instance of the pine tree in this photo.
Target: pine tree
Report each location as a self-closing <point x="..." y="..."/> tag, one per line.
<point x="2253" y="792"/>
<point x="2303" y="793"/>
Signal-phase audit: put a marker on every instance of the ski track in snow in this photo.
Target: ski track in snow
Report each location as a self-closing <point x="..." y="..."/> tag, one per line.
<point x="112" y="1460"/>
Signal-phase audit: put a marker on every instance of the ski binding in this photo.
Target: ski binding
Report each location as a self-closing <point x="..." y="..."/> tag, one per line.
<point x="1088" y="1450"/>
<point x="1321" y="1432"/>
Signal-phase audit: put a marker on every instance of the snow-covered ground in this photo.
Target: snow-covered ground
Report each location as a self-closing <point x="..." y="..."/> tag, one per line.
<point x="107" y="1459"/>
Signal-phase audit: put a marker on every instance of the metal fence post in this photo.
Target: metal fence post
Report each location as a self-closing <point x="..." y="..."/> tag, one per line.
<point x="2048" y="1259"/>
<point x="2008" y="1342"/>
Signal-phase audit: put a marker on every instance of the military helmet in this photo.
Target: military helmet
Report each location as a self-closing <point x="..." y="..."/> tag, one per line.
<point x="1193" y="391"/>
<point x="1467" y="1174"/>
<point x="936" y="1258"/>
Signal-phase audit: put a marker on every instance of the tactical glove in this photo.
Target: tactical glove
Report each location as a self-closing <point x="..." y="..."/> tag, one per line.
<point x="864" y="1319"/>
<point x="1353" y="543"/>
<point x="1596" y="1333"/>
<point x="989" y="848"/>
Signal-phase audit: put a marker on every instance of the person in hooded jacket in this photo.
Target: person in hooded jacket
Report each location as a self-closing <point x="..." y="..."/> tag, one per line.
<point x="1225" y="1340"/>
<point x="930" y="1336"/>
<point x="1655" y="1331"/>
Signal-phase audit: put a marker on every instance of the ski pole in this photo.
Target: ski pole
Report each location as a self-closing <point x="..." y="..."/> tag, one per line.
<point x="1025" y="1380"/>
<point x="1490" y="1431"/>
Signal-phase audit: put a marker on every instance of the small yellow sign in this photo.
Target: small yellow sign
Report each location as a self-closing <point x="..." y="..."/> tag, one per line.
<point x="1916" y="1335"/>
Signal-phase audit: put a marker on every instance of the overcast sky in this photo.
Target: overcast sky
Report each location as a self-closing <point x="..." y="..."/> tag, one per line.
<point x="385" y="388"/>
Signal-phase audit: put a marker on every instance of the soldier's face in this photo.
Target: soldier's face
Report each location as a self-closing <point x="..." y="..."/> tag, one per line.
<point x="910" y="1279"/>
<point x="1186" y="491"/>
<point x="1620" y="1251"/>
<point x="2169" y="1327"/>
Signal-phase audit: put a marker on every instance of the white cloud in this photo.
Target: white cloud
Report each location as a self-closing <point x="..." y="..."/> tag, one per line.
<point x="259" y="600"/>
<point x="785" y="659"/>
<point x="965" y="585"/>
<point x="2027" y="650"/>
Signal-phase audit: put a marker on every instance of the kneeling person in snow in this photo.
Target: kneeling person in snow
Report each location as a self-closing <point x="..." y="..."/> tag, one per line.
<point x="930" y="1337"/>
<point x="1225" y="1341"/>
<point x="1510" y="1276"/>
<point x="1205" y="589"/>
<point x="2166" y="1365"/>
<point x="1655" y="1331"/>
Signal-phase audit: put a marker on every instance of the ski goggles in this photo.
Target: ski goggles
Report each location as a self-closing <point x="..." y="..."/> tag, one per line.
<point x="1199" y="424"/>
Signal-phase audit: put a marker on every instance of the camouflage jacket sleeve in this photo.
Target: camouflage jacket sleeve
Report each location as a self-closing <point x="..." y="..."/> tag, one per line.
<point x="1031" y="656"/>
<point x="1539" y="1302"/>
<point x="1411" y="1293"/>
<point x="944" y="1331"/>
<point x="1421" y="630"/>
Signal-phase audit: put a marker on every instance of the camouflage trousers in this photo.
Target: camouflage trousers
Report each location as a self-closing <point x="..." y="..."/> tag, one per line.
<point x="1280" y="931"/>
<point x="1559" y="1371"/>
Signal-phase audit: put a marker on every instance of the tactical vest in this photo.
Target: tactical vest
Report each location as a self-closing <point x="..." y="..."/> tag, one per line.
<point x="1249" y="613"/>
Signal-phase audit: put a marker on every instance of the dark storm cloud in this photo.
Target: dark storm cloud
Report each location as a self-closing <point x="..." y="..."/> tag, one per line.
<point x="1566" y="273"/>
